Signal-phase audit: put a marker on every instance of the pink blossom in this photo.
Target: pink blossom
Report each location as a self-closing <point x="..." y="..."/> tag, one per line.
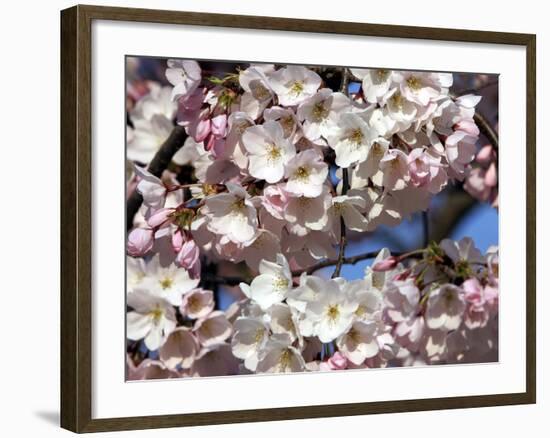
<point x="468" y="126"/>
<point x="219" y="125"/>
<point x="160" y="217"/>
<point x="189" y="257"/>
<point x="200" y="130"/>
<point x="385" y="265"/>
<point x="426" y="170"/>
<point x="485" y="155"/>
<point x="491" y="177"/>
<point x="336" y="362"/>
<point x="475" y="184"/>
<point x="140" y="241"/>
<point x="275" y="200"/>
<point x="473" y="292"/>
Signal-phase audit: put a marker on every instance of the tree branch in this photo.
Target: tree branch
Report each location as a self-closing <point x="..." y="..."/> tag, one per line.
<point x="345" y="187"/>
<point x="486" y="129"/>
<point x="158" y="164"/>
<point x="235" y="280"/>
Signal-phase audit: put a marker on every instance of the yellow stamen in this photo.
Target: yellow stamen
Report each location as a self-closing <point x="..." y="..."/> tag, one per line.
<point x="166" y="283"/>
<point x="397" y="100"/>
<point x="297" y="88"/>
<point x="382" y="74"/>
<point x="319" y="111"/>
<point x="273" y="152"/>
<point x="414" y="83"/>
<point x="156" y="314"/>
<point x="280" y="283"/>
<point x="356" y="136"/>
<point x="302" y="173"/>
<point x="285" y="359"/>
<point x="333" y="312"/>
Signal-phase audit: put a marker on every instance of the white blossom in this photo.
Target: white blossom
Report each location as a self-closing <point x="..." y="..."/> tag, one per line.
<point x="268" y="151"/>
<point x="232" y="214"/>
<point x="294" y="84"/>
<point x="152" y="318"/>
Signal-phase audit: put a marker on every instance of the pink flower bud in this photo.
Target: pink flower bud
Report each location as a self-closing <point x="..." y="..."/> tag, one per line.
<point x="336" y="362"/>
<point x="160" y="217"/>
<point x="491" y="177"/>
<point x="201" y="131"/>
<point x="189" y="257"/>
<point x="468" y="126"/>
<point x="485" y="155"/>
<point x="385" y="265"/>
<point x="219" y="125"/>
<point x="178" y="239"/>
<point x="140" y="241"/>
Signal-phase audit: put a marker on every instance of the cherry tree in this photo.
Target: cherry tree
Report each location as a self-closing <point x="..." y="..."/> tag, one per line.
<point x="254" y="181"/>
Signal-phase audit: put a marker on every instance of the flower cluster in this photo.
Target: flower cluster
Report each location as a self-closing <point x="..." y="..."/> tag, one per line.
<point x="263" y="143"/>
<point x="175" y="318"/>
<point x="277" y="167"/>
<point x="441" y="308"/>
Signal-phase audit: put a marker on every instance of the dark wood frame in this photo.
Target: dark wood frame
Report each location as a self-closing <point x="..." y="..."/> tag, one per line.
<point x="76" y="226"/>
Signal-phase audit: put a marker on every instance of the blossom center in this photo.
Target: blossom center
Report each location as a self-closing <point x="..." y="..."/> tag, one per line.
<point x="260" y="92"/>
<point x="238" y="206"/>
<point x="284" y="359"/>
<point x="273" y="152"/>
<point x="354" y="335"/>
<point x="377" y="150"/>
<point x="166" y="283"/>
<point x="297" y="88"/>
<point x="280" y="283"/>
<point x="259" y="335"/>
<point x="356" y="136"/>
<point x="397" y="100"/>
<point x="333" y="312"/>
<point x="156" y="314"/>
<point x="319" y="111"/>
<point x="194" y="304"/>
<point x="463" y="269"/>
<point x="382" y="74"/>
<point x="302" y="173"/>
<point x="414" y="83"/>
<point x="288" y="125"/>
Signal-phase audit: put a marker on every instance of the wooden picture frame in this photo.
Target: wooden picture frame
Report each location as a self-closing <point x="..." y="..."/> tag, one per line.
<point x="76" y="222"/>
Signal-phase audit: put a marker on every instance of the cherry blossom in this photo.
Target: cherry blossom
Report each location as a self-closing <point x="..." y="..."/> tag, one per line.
<point x="281" y="176"/>
<point x="152" y="319"/>
<point x="294" y="84"/>
<point x="269" y="151"/>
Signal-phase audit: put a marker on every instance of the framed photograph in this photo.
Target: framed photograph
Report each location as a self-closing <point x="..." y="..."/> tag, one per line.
<point x="268" y="219"/>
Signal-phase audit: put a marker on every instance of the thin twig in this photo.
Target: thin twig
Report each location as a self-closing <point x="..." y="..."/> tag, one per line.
<point x="343" y="237"/>
<point x="158" y="164"/>
<point x="345" y="187"/>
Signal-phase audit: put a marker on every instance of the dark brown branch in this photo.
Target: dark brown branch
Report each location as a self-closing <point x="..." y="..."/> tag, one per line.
<point x="235" y="280"/>
<point x="342" y="261"/>
<point x="345" y="81"/>
<point x="486" y="129"/>
<point x="343" y="237"/>
<point x="158" y="164"/>
<point x="345" y="187"/>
